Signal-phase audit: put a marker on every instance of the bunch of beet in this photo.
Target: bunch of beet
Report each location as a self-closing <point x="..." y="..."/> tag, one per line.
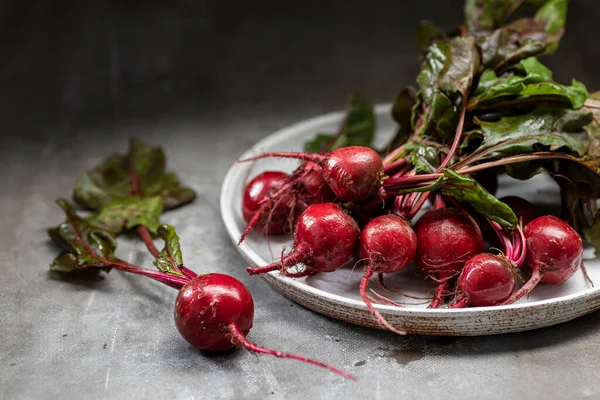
<point x="341" y="209"/>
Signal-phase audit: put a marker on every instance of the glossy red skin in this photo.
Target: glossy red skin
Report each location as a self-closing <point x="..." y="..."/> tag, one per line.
<point x="313" y="187"/>
<point x="446" y="239"/>
<point x="521" y="207"/>
<point x="353" y="172"/>
<point x="487" y="280"/>
<point x="259" y="189"/>
<point x="207" y="304"/>
<point x="326" y="235"/>
<point x="554" y="247"/>
<point x="388" y="242"/>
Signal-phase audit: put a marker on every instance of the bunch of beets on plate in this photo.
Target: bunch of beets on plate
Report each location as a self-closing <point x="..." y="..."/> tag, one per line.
<point x="485" y="106"/>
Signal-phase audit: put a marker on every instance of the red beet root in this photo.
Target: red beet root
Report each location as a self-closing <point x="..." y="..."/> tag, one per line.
<point x="446" y="239"/>
<point x="389" y="244"/>
<point x="269" y="220"/>
<point x="352" y="173"/>
<point x="214" y="312"/>
<point x="554" y="252"/>
<point x="486" y="280"/>
<point x="324" y="239"/>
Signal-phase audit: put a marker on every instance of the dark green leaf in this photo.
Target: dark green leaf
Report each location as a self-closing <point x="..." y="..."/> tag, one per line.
<point x="530" y="80"/>
<point x="358" y="129"/>
<point x="542" y="129"/>
<point x="466" y="190"/>
<point x="485" y="14"/>
<point x="425" y="159"/>
<point x="128" y="212"/>
<point x="402" y="111"/>
<point x="112" y="179"/>
<point x="426" y="33"/>
<point x="462" y="63"/>
<point x="438" y="117"/>
<point x="170" y="258"/>
<point x="83" y="245"/>
<point x="592" y="233"/>
<point x="524" y="37"/>
<point x="318" y="144"/>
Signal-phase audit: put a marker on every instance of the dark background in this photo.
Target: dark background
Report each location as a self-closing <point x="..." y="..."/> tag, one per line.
<point x="68" y="65"/>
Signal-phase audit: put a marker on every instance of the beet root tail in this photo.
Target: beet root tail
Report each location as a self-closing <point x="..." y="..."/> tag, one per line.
<point x="316" y="158"/>
<point x="535" y="278"/>
<point x="238" y="338"/>
<point x="295" y="257"/>
<point x="363" y="293"/>
<point x="440" y="292"/>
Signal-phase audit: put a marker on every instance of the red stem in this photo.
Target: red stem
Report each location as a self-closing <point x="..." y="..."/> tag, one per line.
<point x="460" y="303"/>
<point x="363" y="293"/>
<point x="188" y="272"/>
<point x="457" y="135"/>
<point x="392" y="155"/>
<point x="145" y="235"/>
<point x="396" y="165"/>
<point x="296" y="256"/>
<point x="535" y="278"/>
<point x="316" y="158"/>
<point x="440" y="293"/>
<point x="238" y="338"/>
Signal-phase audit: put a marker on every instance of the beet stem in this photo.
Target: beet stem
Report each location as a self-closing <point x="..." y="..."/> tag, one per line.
<point x="363" y="293"/>
<point x="238" y="337"/>
<point x="440" y="292"/>
<point x="460" y="303"/>
<point x="188" y="272"/>
<point x="316" y="158"/>
<point x="585" y="274"/>
<point x="535" y="278"/>
<point x="457" y="135"/>
<point x="145" y="235"/>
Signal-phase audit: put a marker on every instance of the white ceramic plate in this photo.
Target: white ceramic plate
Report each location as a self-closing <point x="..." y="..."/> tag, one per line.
<point x="336" y="294"/>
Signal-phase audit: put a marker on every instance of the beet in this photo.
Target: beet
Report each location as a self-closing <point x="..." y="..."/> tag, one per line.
<point x="485" y="280"/>
<point x="554" y="253"/>
<point x="353" y="173"/>
<point x="324" y="239"/>
<point x="214" y="312"/>
<point x="389" y="244"/>
<point x="446" y="239"/>
<point x="275" y="218"/>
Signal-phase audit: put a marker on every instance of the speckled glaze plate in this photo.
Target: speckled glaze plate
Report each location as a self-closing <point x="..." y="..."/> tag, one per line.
<point x="336" y="294"/>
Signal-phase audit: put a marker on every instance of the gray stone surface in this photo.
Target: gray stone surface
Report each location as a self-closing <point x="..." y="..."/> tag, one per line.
<point x="206" y="80"/>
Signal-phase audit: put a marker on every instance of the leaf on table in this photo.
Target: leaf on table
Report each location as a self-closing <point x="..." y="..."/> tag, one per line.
<point x="467" y="190"/>
<point x="83" y="244"/>
<point x="541" y="130"/>
<point x="358" y="129"/>
<point x="112" y="179"/>
<point x="524" y="37"/>
<point x="127" y="213"/>
<point x="170" y="259"/>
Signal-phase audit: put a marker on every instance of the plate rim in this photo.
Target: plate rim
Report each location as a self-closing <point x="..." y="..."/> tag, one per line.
<point x="251" y="256"/>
